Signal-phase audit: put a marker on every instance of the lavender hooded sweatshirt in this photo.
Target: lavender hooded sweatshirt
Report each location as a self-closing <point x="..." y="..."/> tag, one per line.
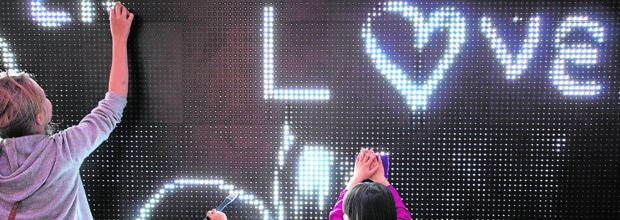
<point x="43" y="172"/>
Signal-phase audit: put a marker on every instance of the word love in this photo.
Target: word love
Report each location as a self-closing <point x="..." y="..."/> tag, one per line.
<point x="416" y="94"/>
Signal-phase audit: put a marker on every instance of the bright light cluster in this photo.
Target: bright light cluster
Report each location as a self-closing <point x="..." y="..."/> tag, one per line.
<point x="514" y="66"/>
<point x="313" y="178"/>
<point x="45" y="18"/>
<point x="8" y="58"/>
<point x="579" y="53"/>
<point x="312" y="182"/>
<point x="560" y="144"/>
<point x="416" y="94"/>
<point x="53" y="19"/>
<point x="180" y="184"/>
<point x="313" y="175"/>
<point x="88" y="11"/>
<point x="269" y="89"/>
<point x="287" y="140"/>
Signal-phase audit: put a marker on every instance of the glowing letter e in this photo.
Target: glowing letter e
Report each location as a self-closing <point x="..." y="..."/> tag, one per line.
<point x="582" y="53"/>
<point x="269" y="89"/>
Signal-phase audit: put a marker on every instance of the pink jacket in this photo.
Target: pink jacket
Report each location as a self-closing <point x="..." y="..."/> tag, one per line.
<point x="401" y="211"/>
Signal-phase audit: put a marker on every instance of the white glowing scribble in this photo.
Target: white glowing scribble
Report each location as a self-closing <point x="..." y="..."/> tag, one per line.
<point x="8" y="58"/>
<point x="560" y="144"/>
<point x="108" y="5"/>
<point x="313" y="175"/>
<point x="416" y="94"/>
<point x="514" y="66"/>
<point x="180" y="184"/>
<point x="269" y="89"/>
<point x="287" y="140"/>
<point x="579" y="53"/>
<point x="47" y="18"/>
<point x="88" y="11"/>
<point x="313" y="172"/>
<point x="312" y="183"/>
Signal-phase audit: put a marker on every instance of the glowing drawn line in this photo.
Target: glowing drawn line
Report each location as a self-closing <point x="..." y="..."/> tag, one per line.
<point x="313" y="172"/>
<point x="145" y="211"/>
<point x="8" y="58"/>
<point x="287" y="140"/>
<point x="313" y="175"/>
<point x="88" y="11"/>
<point x="46" y="18"/>
<point x="269" y="89"/>
<point x="560" y="144"/>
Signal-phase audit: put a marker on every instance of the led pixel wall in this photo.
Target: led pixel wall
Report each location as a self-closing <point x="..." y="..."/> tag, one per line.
<point x="488" y="109"/>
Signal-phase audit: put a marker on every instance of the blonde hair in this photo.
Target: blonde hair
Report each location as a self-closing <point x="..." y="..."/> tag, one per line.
<point x="20" y="101"/>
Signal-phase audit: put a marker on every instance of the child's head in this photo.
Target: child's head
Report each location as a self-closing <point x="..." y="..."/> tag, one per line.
<point x="369" y="201"/>
<point x="24" y="109"/>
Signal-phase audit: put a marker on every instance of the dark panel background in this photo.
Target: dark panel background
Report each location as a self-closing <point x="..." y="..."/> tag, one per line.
<point x="486" y="147"/>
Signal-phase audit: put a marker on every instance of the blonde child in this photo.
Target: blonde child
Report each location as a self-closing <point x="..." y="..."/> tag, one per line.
<point x="39" y="174"/>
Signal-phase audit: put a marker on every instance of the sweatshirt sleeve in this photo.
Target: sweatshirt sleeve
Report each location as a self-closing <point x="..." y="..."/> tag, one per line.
<point x="402" y="213"/>
<point x="337" y="213"/>
<point x="77" y="142"/>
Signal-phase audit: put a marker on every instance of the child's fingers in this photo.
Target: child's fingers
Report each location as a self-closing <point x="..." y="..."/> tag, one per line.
<point x="368" y="160"/>
<point x="121" y="10"/>
<point x="117" y="10"/>
<point x="373" y="167"/>
<point x="360" y="156"/>
<point x="113" y="10"/>
<point x="364" y="154"/>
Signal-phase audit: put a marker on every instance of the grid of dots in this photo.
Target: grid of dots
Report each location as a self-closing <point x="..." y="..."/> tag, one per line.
<point x="487" y="109"/>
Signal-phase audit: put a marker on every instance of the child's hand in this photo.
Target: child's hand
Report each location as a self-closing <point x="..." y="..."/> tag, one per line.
<point x="363" y="169"/>
<point x="215" y="215"/>
<point x="379" y="175"/>
<point x="120" y="22"/>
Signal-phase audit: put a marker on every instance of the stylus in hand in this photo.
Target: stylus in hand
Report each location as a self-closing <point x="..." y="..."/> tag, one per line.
<point x="230" y="198"/>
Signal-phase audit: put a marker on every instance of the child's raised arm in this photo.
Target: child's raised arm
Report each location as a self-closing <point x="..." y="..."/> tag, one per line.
<point x="120" y="23"/>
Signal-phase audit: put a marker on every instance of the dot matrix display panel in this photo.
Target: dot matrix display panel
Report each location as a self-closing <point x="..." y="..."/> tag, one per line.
<point x="487" y="109"/>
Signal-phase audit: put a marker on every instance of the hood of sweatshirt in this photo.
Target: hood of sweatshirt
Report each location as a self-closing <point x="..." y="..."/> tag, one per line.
<point x="25" y="165"/>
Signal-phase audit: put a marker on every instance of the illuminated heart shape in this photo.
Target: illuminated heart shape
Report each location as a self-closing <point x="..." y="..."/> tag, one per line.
<point x="416" y="94"/>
